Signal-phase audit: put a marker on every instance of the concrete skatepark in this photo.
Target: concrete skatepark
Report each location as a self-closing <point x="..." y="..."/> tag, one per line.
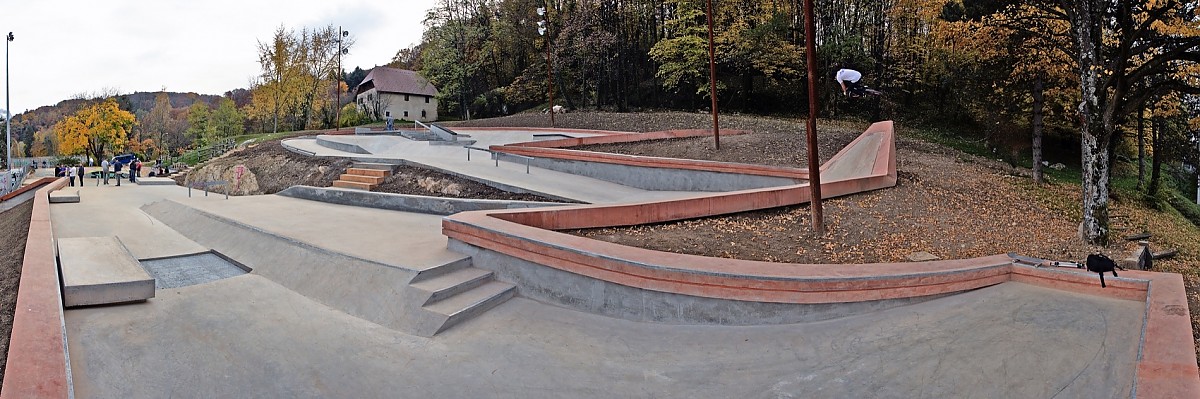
<point x="355" y="301"/>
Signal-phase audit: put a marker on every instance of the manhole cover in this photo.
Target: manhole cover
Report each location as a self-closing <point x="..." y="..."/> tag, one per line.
<point x="182" y="271"/>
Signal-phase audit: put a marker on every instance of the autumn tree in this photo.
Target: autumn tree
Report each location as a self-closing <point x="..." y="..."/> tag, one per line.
<point x="95" y="129"/>
<point x="1126" y="52"/>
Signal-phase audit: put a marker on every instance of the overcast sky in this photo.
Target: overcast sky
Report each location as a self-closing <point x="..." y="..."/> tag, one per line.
<point x="65" y="47"/>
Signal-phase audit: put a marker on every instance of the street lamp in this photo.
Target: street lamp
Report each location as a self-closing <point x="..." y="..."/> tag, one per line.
<point x="542" y="30"/>
<point x="341" y="34"/>
<point x="7" y="108"/>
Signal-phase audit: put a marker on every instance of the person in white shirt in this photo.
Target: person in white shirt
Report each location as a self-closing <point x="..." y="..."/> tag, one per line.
<point x="849" y="80"/>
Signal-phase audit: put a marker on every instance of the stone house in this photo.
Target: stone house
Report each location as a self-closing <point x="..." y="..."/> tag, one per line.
<point x="400" y="93"/>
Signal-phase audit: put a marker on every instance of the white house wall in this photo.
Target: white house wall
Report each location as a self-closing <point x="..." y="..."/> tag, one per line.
<point x="396" y="104"/>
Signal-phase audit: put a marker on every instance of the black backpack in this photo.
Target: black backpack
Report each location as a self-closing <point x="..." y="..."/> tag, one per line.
<point x="1100" y="264"/>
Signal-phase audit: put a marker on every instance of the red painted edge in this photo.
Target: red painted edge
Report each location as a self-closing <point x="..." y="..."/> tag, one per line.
<point x="37" y="357"/>
<point x="1164" y="368"/>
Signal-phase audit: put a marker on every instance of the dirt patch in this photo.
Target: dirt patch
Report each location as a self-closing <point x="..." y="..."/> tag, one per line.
<point x="417" y="181"/>
<point x="268" y="168"/>
<point x="14" y="228"/>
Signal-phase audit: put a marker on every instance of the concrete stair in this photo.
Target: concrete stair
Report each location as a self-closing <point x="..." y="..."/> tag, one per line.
<point x="364" y="176"/>
<point x="457" y="292"/>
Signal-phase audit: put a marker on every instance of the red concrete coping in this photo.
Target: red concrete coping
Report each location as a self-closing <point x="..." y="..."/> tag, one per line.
<point x="1165" y="369"/>
<point x="31" y="186"/>
<point x="37" y="357"/>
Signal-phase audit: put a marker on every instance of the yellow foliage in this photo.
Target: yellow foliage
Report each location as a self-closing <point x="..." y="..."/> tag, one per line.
<point x="94" y="128"/>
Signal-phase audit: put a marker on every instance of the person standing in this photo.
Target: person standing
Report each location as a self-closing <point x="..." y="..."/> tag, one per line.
<point x="104" y="170"/>
<point x="133" y="170"/>
<point x="117" y="172"/>
<point x="80" y="174"/>
<point x="71" y="175"/>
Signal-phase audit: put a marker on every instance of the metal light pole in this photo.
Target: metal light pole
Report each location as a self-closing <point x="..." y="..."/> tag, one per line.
<point x="338" y="89"/>
<point x="543" y="29"/>
<point x="712" y="78"/>
<point x="814" y="165"/>
<point x="7" y="109"/>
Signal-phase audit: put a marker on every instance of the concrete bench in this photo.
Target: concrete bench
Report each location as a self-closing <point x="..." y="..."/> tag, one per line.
<point x="60" y="197"/>
<point x="99" y="271"/>
<point x="155" y="181"/>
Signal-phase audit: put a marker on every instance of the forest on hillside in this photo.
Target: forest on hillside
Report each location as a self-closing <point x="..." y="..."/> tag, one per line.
<point x="1091" y="80"/>
<point x="1095" y="84"/>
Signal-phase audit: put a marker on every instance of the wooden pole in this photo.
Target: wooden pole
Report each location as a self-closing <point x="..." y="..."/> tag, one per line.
<point x="712" y="78"/>
<point x="814" y="163"/>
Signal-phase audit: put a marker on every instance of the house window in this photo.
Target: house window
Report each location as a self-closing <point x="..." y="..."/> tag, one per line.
<point x="422" y="113"/>
<point x="387" y="113"/>
<point x="426" y="101"/>
<point x="405" y="97"/>
<point x="405" y="114"/>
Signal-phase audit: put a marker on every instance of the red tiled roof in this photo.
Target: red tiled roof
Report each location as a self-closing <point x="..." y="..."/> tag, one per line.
<point x="392" y="80"/>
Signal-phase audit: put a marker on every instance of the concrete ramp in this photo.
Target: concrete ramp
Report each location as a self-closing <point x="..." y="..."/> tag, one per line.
<point x="101" y="271"/>
<point x="369" y="289"/>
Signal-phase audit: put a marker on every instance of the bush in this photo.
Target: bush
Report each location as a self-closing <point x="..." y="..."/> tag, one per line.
<point x="352" y="116"/>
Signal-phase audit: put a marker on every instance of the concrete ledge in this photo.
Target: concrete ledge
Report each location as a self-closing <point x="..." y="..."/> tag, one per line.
<point x="101" y="271"/>
<point x="38" y="365"/>
<point x="156" y="181"/>
<point x="649" y="173"/>
<point x="402" y="202"/>
<point x="60" y="196"/>
<point x="340" y="146"/>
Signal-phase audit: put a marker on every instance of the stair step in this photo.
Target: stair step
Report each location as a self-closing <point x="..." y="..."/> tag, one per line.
<point x="453" y="283"/>
<point x="472" y="302"/>
<point x="367" y="172"/>
<point x="363" y="179"/>
<point x="441" y="270"/>
<point x="353" y="184"/>
<point x="374" y="166"/>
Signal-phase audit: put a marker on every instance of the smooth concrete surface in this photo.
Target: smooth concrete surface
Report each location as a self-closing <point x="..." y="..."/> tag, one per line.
<point x="405" y="240"/>
<point x="100" y="271"/>
<point x="404" y="203"/>
<point x="376" y="290"/>
<point x="592" y="295"/>
<point x="481" y="167"/>
<point x="249" y="337"/>
<point x="114" y="211"/>
<point x="657" y="179"/>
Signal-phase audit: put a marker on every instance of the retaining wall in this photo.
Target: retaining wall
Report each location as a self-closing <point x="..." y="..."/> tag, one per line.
<point x="38" y="364"/>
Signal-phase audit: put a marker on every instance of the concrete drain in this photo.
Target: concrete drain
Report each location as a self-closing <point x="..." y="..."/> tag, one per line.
<point x="182" y="271"/>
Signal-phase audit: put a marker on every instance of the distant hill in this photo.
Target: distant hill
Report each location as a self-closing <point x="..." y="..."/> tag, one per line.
<point x="46" y="116"/>
<point x="29" y="122"/>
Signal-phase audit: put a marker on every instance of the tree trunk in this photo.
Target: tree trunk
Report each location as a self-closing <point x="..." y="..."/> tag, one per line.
<point x="1093" y="229"/>
<point x="1141" y="147"/>
<point x="1039" y="101"/>
<point x="1156" y="131"/>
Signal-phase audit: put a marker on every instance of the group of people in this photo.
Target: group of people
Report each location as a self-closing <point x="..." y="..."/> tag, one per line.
<point x="77" y="172"/>
<point x="71" y="172"/>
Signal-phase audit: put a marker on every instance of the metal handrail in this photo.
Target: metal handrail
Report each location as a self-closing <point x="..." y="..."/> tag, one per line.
<point x="496" y="156"/>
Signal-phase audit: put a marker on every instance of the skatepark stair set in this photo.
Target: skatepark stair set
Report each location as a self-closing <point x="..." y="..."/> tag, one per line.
<point x="364" y="176"/>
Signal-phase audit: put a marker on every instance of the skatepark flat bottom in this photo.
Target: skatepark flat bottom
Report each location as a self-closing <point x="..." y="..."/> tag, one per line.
<point x="249" y="337"/>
